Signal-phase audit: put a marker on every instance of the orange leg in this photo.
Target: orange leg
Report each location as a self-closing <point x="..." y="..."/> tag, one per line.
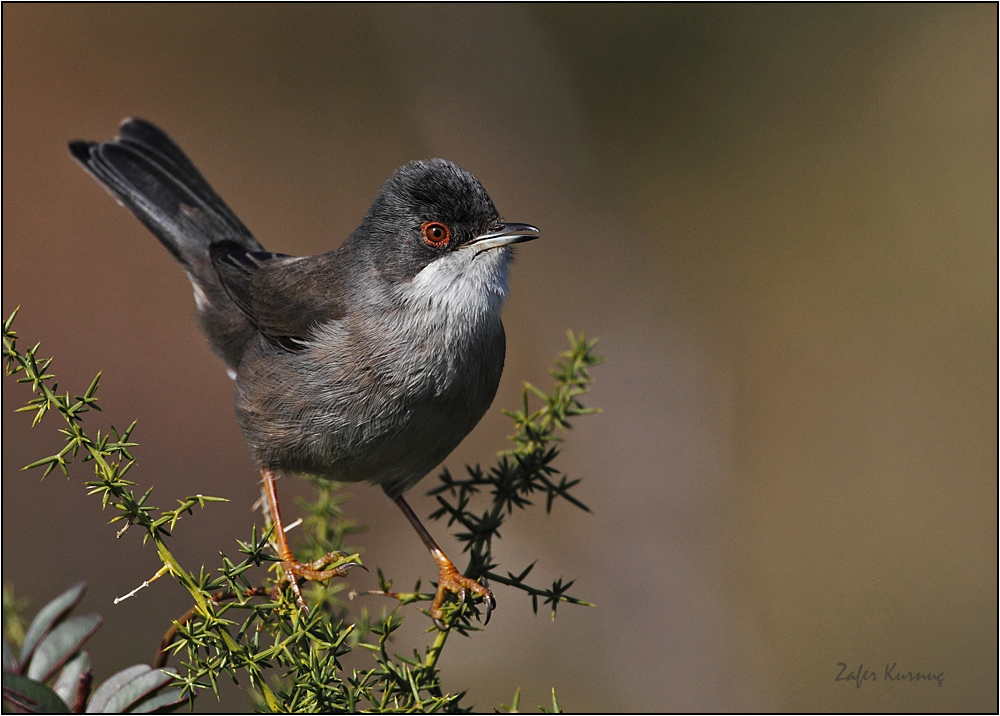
<point x="449" y="578"/>
<point x="292" y="568"/>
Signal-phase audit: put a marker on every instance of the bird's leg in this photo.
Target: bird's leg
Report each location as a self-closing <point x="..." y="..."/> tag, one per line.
<point x="292" y="568"/>
<point x="449" y="578"/>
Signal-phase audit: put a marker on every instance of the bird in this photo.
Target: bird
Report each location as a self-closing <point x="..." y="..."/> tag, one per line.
<point x="370" y="362"/>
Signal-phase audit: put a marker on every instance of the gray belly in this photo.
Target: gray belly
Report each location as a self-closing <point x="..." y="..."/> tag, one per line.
<point x="359" y="407"/>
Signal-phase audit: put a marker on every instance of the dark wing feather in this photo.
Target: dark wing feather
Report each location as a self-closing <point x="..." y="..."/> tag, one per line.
<point x="237" y="268"/>
<point x="284" y="297"/>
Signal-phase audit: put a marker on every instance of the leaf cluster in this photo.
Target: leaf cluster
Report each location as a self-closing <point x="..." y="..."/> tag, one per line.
<point x="51" y="673"/>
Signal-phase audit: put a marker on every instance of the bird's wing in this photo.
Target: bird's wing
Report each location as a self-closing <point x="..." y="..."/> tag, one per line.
<point x="284" y="297"/>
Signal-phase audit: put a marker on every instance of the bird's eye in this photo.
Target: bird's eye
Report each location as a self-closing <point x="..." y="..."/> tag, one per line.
<point x="435" y="233"/>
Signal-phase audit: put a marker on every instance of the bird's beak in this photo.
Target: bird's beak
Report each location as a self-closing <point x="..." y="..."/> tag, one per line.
<point x="504" y="235"/>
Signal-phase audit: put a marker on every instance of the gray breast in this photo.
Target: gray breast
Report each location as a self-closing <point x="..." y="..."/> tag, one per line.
<point x="383" y="395"/>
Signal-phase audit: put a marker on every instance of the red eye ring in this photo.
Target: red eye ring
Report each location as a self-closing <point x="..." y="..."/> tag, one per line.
<point x="435" y="234"/>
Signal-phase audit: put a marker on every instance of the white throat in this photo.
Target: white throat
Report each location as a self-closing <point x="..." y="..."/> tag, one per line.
<point x="462" y="287"/>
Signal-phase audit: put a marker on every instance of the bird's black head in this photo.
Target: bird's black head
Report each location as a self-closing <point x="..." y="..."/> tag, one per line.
<point x="426" y="210"/>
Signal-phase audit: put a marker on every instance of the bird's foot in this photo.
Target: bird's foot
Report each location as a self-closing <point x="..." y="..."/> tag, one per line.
<point x="451" y="580"/>
<point x="293" y="570"/>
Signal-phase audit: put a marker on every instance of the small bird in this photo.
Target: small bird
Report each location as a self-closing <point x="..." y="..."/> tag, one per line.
<point x="370" y="362"/>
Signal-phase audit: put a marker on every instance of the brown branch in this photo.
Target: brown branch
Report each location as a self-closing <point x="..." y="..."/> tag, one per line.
<point x="168" y="638"/>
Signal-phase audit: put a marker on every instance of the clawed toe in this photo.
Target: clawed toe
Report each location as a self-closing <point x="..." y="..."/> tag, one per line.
<point x="293" y="570"/>
<point x="449" y="580"/>
<point x="314" y="572"/>
<point x="491" y="604"/>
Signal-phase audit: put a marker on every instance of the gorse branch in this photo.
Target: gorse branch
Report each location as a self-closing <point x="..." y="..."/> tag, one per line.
<point x="523" y="472"/>
<point x="112" y="461"/>
<point x="246" y="625"/>
<point x="535" y="430"/>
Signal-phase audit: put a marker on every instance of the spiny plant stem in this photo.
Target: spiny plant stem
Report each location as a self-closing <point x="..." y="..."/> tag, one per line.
<point x="434" y="651"/>
<point x="302" y="657"/>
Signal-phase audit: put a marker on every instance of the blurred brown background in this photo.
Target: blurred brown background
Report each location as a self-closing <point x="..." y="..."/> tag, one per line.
<point x="781" y="222"/>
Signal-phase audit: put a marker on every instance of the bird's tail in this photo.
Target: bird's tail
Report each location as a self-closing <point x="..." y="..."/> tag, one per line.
<point x="150" y="176"/>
